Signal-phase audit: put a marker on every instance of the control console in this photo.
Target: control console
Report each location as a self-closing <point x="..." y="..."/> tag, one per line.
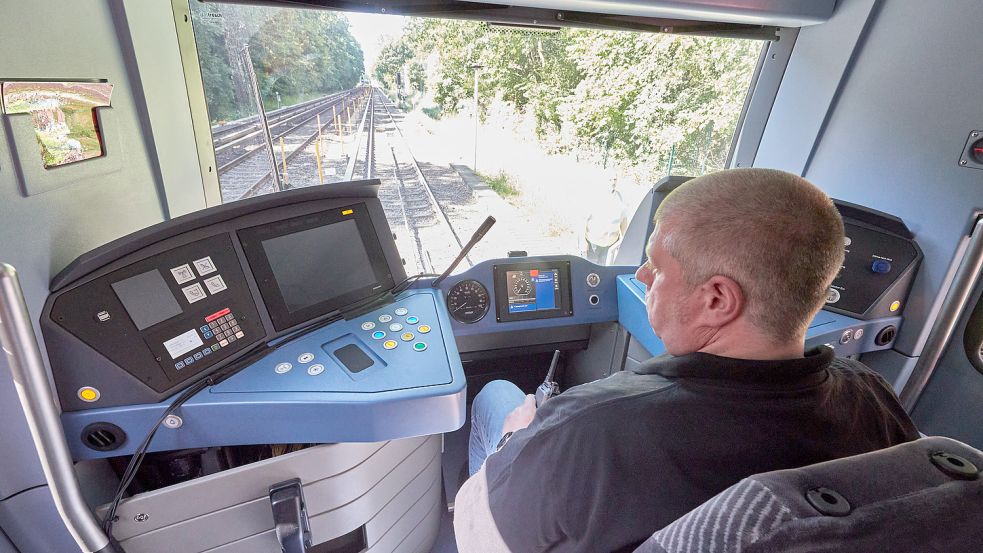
<point x="288" y="302"/>
<point x="879" y="265"/>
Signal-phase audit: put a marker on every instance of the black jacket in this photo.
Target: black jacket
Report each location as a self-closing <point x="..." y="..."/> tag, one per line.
<point x="605" y="464"/>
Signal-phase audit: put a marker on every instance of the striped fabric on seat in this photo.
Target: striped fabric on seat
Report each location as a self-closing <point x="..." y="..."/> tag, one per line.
<point x="917" y="497"/>
<point x="728" y="522"/>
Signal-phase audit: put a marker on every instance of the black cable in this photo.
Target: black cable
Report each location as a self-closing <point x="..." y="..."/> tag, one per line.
<point x="131" y="469"/>
<point x="141" y="452"/>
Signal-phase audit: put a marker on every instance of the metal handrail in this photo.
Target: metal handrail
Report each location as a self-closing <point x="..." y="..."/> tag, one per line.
<point x="38" y="401"/>
<point x="945" y="324"/>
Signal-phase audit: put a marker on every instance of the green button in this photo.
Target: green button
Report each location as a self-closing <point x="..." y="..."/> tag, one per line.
<point x="420" y="346"/>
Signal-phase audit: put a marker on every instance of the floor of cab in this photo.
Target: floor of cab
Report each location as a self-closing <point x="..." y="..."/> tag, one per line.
<point x="525" y="371"/>
<point x="454" y="468"/>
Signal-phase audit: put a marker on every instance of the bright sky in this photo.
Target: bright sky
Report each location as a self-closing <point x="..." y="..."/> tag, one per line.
<point x="373" y="32"/>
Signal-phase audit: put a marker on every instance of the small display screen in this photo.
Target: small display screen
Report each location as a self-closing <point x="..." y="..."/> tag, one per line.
<point x="319" y="263"/>
<point x="533" y="290"/>
<point x="147" y="299"/>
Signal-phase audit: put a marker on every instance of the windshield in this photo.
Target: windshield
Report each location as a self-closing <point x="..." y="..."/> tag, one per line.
<point x="557" y="134"/>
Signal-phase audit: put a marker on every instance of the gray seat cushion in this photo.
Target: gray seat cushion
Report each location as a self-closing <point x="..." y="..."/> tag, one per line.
<point x="899" y="501"/>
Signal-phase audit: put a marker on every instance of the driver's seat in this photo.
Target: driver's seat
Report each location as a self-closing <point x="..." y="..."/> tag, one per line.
<point x="921" y="496"/>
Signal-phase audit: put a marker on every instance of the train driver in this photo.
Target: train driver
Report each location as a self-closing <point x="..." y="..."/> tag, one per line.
<point x="738" y="265"/>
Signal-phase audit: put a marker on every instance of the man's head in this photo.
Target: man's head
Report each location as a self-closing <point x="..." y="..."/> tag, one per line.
<point x="740" y="261"/>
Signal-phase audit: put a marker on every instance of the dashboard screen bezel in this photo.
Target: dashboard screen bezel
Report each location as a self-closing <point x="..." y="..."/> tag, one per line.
<point x="502" y="314"/>
<point x="252" y="239"/>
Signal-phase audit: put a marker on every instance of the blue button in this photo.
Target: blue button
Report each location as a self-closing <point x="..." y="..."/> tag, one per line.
<point x="204" y="328"/>
<point x="198" y="356"/>
<point x="412" y="320"/>
<point x="378" y="335"/>
<point x="206" y="351"/>
<point x="881" y="266"/>
<point x="207" y="335"/>
<point x="189" y="360"/>
<point x="179" y="365"/>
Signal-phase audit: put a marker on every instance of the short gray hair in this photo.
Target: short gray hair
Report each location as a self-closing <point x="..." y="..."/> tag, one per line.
<point x="774" y="233"/>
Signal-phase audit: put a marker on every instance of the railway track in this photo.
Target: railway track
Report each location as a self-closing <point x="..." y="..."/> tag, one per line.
<point x="241" y="153"/>
<point x="372" y="145"/>
<point x="413" y="209"/>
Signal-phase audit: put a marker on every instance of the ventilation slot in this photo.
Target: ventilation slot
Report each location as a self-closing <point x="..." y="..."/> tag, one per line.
<point x="886" y="335"/>
<point x="103" y="436"/>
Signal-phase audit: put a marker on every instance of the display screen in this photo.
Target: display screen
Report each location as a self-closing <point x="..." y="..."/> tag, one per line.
<point x="319" y="263"/>
<point x="314" y="264"/>
<point x="533" y="290"/>
<point x="147" y="299"/>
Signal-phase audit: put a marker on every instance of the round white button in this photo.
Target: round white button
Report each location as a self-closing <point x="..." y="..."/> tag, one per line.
<point x="833" y="295"/>
<point x="395" y="327"/>
<point x="858" y="334"/>
<point x="402" y="311"/>
<point x="368" y="325"/>
<point x="282" y="368"/>
<point x="385" y="318"/>
<point x="305" y="358"/>
<point x="315" y="370"/>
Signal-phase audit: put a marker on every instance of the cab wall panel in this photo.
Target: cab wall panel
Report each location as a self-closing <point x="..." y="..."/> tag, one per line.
<point x="891" y="136"/>
<point x="43" y="228"/>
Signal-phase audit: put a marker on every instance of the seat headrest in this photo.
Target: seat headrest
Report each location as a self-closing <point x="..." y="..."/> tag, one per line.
<point x="925" y="495"/>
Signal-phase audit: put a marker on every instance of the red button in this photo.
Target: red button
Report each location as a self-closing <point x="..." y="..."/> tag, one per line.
<point x="218" y="314"/>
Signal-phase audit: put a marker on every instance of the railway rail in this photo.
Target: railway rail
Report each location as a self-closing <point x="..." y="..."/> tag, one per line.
<point x="240" y="148"/>
<point x="407" y="195"/>
<point x="378" y="149"/>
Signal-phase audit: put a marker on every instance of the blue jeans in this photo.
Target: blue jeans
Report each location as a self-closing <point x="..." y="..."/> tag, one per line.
<point x="488" y="411"/>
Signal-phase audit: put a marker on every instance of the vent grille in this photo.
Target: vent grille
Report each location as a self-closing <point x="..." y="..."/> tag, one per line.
<point x="103" y="436"/>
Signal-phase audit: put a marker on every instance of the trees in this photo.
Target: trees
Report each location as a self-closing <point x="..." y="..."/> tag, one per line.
<point x="638" y="98"/>
<point x="296" y="54"/>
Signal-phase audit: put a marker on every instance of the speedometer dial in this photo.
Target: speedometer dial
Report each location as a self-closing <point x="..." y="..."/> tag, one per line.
<point x="468" y="301"/>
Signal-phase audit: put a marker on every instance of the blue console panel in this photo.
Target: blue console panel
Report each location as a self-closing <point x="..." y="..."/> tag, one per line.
<point x="592" y="301"/>
<point x="394" y="372"/>
<point x="846" y="335"/>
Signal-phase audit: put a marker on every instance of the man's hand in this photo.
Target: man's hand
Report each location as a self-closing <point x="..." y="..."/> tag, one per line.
<point x="521" y="416"/>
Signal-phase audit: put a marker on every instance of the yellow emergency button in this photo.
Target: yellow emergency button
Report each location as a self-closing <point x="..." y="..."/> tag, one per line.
<point x="390" y="344"/>
<point x="88" y="394"/>
<point x="423" y="329"/>
<point x="347" y="212"/>
<point x="895" y="305"/>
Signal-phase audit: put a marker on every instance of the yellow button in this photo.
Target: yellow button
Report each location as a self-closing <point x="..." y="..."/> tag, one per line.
<point x="407" y="336"/>
<point x="389" y="344"/>
<point x="895" y="305"/>
<point x="88" y="394"/>
<point x="424" y="329"/>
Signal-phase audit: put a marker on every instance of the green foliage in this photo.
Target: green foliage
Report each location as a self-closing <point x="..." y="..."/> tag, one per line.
<point x="295" y="53"/>
<point x="630" y="97"/>
<point x="501" y="183"/>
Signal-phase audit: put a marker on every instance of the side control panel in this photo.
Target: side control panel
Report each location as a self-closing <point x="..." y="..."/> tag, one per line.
<point x="879" y="265"/>
<point x="162" y="319"/>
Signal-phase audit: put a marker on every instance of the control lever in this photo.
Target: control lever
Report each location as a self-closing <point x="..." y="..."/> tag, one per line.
<point x="549" y="387"/>
<point x="475" y="238"/>
<point x="293" y="529"/>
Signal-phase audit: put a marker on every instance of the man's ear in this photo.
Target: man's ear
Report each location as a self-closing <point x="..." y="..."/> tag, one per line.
<point x="722" y="300"/>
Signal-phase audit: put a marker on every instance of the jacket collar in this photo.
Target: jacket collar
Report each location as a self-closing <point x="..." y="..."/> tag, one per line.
<point x="714" y="367"/>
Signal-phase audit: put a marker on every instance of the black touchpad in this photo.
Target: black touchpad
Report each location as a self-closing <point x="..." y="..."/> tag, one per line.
<point x="353" y="358"/>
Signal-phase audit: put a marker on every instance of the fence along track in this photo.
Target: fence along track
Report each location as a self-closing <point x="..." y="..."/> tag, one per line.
<point x="310" y="116"/>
